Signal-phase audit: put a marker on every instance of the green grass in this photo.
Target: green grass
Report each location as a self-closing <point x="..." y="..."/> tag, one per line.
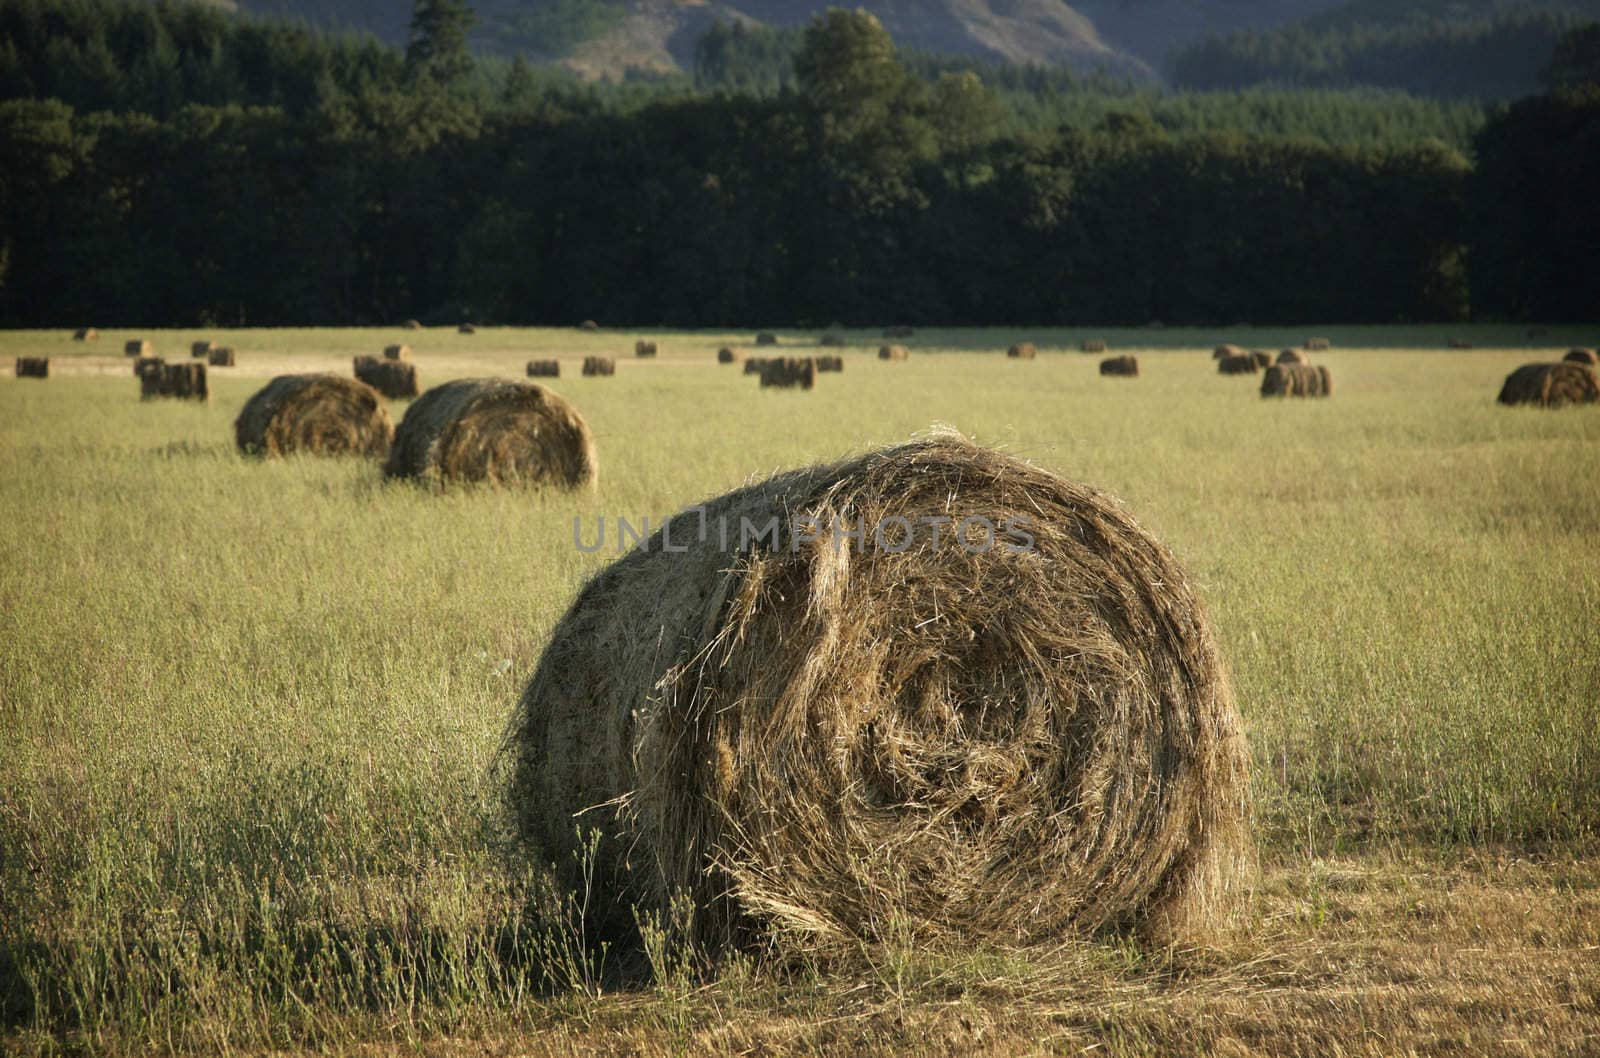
<point x="249" y="710"/>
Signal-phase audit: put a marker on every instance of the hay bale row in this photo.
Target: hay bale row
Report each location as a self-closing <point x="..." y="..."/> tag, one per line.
<point x="789" y="372"/>
<point x="397" y="352"/>
<point x="86" y="334"/>
<point x="1297" y="380"/>
<point x="1293" y="356"/>
<point x="1581" y="356"/>
<point x="1124" y="366"/>
<point x="33" y="367"/>
<point x="137" y="347"/>
<point x="766" y="339"/>
<point x="147" y="365"/>
<point x="899" y="330"/>
<point x="314" y="415"/>
<point x="812" y="742"/>
<point x="1238" y="365"/>
<point x="1022" y="351"/>
<point x="893" y="352"/>
<point x="726" y="355"/>
<point x="200" y="350"/>
<point x="395" y="379"/>
<point x="184" y="381"/>
<point x="544" y="369"/>
<point x="599" y="366"/>
<point x="496" y="431"/>
<point x="1093" y="345"/>
<point x="1318" y="345"/>
<point x="1551" y="385"/>
<point x="833" y="341"/>
<point x="220" y="356"/>
<point x="644" y="348"/>
<point x="830" y="363"/>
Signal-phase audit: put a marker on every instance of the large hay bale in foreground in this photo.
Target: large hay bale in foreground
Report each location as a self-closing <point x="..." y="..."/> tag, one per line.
<point x="599" y="366"/>
<point x="1238" y="365"/>
<point x="544" y="369"/>
<point x="830" y="363"/>
<point x="497" y="431"/>
<point x="200" y="350"/>
<point x="789" y="372"/>
<point x="220" y="356"/>
<point x="766" y="339"/>
<point x="314" y="414"/>
<point x="1297" y="380"/>
<point x="1319" y="345"/>
<point x="33" y="367"/>
<point x="1293" y="356"/>
<point x="1015" y="742"/>
<point x="1124" y="366"/>
<point x="1022" y="351"/>
<point x="1222" y="352"/>
<point x="893" y="352"/>
<point x="183" y="381"/>
<point x="86" y="334"/>
<point x="644" y="348"/>
<point x="395" y="379"/>
<point x="137" y="347"/>
<point x="1551" y="385"/>
<point x="1582" y="356"/>
<point x="727" y="355"/>
<point x="397" y="352"/>
<point x="1093" y="345"/>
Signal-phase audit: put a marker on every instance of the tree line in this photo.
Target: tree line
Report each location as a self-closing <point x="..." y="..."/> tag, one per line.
<point x="351" y="184"/>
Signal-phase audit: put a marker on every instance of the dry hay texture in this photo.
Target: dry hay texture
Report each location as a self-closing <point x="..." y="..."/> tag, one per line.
<point x="1319" y="345"/>
<point x="1297" y="380"/>
<point x="1022" y="351"/>
<point x="830" y="363"/>
<point x="831" y="340"/>
<point x="395" y="379"/>
<point x="644" y="348"/>
<point x="497" y="431"/>
<point x="1551" y="385"/>
<point x="1126" y="366"/>
<point x="1093" y="345"/>
<point x="789" y="372"/>
<point x="185" y="381"/>
<point x="220" y="356"/>
<point x="816" y="743"/>
<point x="315" y="414"/>
<point x="137" y="347"/>
<point x="1581" y="356"/>
<point x="397" y="352"/>
<point x="893" y="352"/>
<point x="33" y="367"/>
<point x="1293" y="356"/>
<point x="200" y="350"/>
<point x="146" y="366"/>
<point x="1238" y="365"/>
<point x="599" y="365"/>
<point x="766" y="339"/>
<point x="899" y="330"/>
<point x="544" y="369"/>
<point x="1222" y="352"/>
<point x="86" y="334"/>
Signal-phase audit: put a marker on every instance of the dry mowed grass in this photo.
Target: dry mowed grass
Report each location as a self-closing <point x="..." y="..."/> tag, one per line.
<point x="248" y="709"/>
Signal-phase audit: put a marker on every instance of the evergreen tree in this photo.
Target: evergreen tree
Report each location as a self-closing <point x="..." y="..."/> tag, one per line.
<point x="438" y="49"/>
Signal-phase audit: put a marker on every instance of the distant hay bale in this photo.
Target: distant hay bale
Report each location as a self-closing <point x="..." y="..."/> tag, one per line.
<point x="33" y="367"/>
<point x="598" y="366"/>
<point x="816" y="742"/>
<point x="467" y="328"/>
<point x="1222" y="352"/>
<point x="544" y="369"/>
<point x="1460" y="343"/>
<point x="412" y="325"/>
<point x="316" y="415"/>
<point x="1297" y="380"/>
<point x="395" y="379"/>
<point x="496" y="431"/>
<point x="1293" y="356"/>
<point x="221" y="356"/>
<point x="588" y="325"/>
<point x="1238" y="365"/>
<point x="1262" y="358"/>
<point x="726" y="355"/>
<point x="830" y="363"/>
<point x="644" y="348"/>
<point x="137" y="347"/>
<point x="893" y="352"/>
<point x="789" y="372"/>
<point x="1551" y="385"/>
<point x="181" y="381"/>
<point x="200" y="350"/>
<point x="86" y="334"/>
<point x="899" y="330"/>
<point x="397" y="352"/>
<point x="1318" y="345"/>
<point x="754" y="365"/>
<point x="1093" y="345"/>
<point x="766" y="339"/>
<point x="1127" y="366"/>
<point x="831" y="340"/>
<point x="146" y="366"/>
<point x="1581" y="356"/>
<point x="1022" y="351"/>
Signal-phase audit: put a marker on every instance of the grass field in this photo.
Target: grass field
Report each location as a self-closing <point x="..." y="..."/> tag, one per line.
<point x="249" y="710"/>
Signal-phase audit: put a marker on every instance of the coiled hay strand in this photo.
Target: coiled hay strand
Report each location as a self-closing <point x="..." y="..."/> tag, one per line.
<point x="1297" y="380"/>
<point x="314" y="414"/>
<point x="813" y="742"/>
<point x="494" y="430"/>
<point x="1126" y="366"/>
<point x="1551" y="385"/>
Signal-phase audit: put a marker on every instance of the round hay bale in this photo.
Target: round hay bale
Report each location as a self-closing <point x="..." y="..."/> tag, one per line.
<point x="1094" y="345"/>
<point x="86" y="334"/>
<point x="137" y="347"/>
<point x="1551" y="385"/>
<point x="220" y="356"/>
<point x="599" y="366"/>
<point x="1247" y="364"/>
<point x="588" y="325"/>
<point x="789" y="372"/>
<point x="1013" y="743"/>
<point x="766" y="339"/>
<point x="395" y="379"/>
<point x="33" y="367"/>
<point x="1292" y="356"/>
<point x="830" y="363"/>
<point x="1222" y="352"/>
<point x="1262" y="358"/>
<point x="314" y="414"/>
<point x="754" y="365"/>
<point x="644" y="348"/>
<point x="183" y="381"/>
<point x="1122" y="366"/>
<point x="831" y="340"/>
<point x="493" y="430"/>
<point x="200" y="350"/>
<point x="412" y="325"/>
<point x="1319" y="345"/>
<point x="1296" y="380"/>
<point x="397" y="352"/>
<point x="1581" y="356"/>
<point x="544" y="369"/>
<point x="726" y="355"/>
<point x="1022" y="351"/>
<point x="467" y="328"/>
<point x="148" y="366"/>
<point x="893" y="352"/>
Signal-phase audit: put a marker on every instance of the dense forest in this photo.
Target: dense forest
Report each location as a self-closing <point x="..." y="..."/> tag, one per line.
<point x="173" y="165"/>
